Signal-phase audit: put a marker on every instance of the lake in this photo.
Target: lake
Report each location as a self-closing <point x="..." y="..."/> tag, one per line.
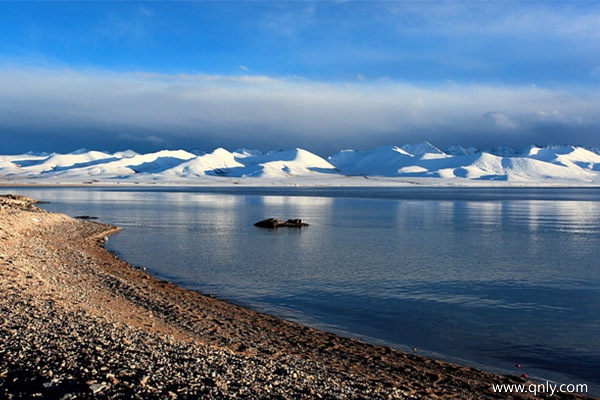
<point x="490" y="277"/>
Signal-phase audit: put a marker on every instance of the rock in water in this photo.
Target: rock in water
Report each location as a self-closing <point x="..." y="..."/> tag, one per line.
<point x="273" y="223"/>
<point x="295" y="223"/>
<point x="269" y="223"/>
<point x="85" y="217"/>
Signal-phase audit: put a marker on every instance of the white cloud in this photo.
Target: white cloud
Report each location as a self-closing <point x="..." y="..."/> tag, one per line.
<point x="146" y="11"/>
<point x="551" y="116"/>
<point x="286" y="111"/>
<point x="149" y="139"/>
<point x="555" y="19"/>
<point x="287" y="21"/>
<point x="502" y="120"/>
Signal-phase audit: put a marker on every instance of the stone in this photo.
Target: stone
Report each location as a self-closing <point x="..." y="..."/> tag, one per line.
<point x="273" y="223"/>
<point x="295" y="223"/>
<point x="269" y="223"/>
<point x="85" y="217"/>
<point x="98" y="387"/>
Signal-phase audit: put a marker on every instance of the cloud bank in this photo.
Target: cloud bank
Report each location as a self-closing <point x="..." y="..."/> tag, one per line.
<point x="62" y="109"/>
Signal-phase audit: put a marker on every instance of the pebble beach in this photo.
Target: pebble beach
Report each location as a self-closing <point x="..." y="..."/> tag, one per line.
<point x="77" y="322"/>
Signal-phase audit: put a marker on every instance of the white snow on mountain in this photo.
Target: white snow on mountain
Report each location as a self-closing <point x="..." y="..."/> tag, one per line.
<point x="219" y="162"/>
<point x="284" y="163"/>
<point x="125" y="154"/>
<point x="421" y="163"/>
<point x="505" y="151"/>
<point x="458" y="150"/>
<point x="382" y="161"/>
<point x="157" y="162"/>
<point x="422" y="149"/>
<point x="59" y="162"/>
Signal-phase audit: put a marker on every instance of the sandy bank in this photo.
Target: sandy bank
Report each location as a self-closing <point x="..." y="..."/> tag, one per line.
<point x="76" y="322"/>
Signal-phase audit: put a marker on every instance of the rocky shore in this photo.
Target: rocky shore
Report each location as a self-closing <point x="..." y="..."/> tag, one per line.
<point x="76" y="322"/>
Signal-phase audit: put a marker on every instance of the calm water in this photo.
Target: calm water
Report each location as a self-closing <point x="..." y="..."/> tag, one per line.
<point x="490" y="277"/>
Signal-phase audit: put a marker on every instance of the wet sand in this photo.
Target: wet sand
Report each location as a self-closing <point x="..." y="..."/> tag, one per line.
<point x="77" y="322"/>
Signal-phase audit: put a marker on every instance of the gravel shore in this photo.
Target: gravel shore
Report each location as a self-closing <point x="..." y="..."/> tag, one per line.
<point x="76" y="322"/>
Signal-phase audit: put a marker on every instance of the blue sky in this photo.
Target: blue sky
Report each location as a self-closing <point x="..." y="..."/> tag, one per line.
<point x="320" y="75"/>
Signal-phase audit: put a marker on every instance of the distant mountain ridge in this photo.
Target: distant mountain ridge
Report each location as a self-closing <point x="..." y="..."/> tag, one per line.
<point x="566" y="164"/>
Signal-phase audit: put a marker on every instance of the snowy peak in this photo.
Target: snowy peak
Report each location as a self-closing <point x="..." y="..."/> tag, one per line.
<point x="245" y="163"/>
<point x="57" y="162"/>
<point x="532" y="164"/>
<point x="292" y="162"/>
<point x="219" y="162"/>
<point x="246" y="153"/>
<point x="283" y="163"/>
<point x="299" y="156"/>
<point x="125" y="154"/>
<point x="79" y="151"/>
<point x="505" y="151"/>
<point x="420" y="149"/>
<point x="382" y="161"/>
<point x="564" y="164"/>
<point x="458" y="150"/>
<point x="156" y="162"/>
<point x="567" y="156"/>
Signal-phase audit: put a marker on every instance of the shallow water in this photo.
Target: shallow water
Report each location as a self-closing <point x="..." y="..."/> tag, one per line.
<point x="491" y="277"/>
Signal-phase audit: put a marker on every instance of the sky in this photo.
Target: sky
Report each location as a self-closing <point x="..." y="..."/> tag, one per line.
<point x="319" y="75"/>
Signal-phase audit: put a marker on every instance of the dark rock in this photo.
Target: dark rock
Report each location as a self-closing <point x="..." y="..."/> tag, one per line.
<point x="269" y="223"/>
<point x="295" y="223"/>
<point x="273" y="223"/>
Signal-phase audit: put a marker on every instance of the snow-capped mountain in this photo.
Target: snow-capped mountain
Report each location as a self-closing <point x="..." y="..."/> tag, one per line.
<point x="458" y="150"/>
<point x="423" y="163"/>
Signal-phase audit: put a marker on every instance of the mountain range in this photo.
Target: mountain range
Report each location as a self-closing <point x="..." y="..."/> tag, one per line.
<point x="421" y="163"/>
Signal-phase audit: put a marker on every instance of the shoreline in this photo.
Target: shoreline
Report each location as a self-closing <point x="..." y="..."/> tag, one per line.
<point x="78" y="322"/>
